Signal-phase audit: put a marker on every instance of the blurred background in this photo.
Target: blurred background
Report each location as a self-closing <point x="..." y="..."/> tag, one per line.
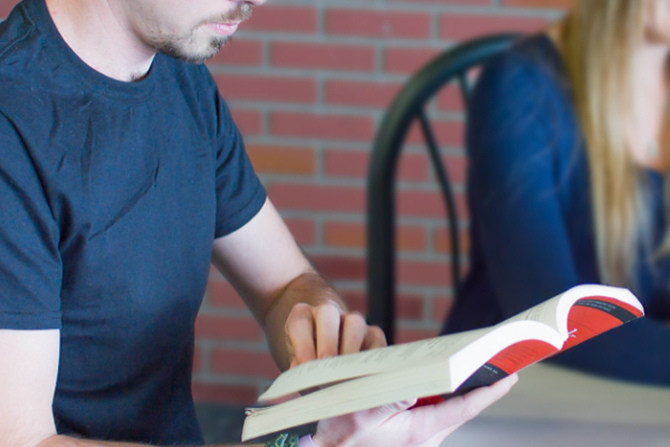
<point x="308" y="82"/>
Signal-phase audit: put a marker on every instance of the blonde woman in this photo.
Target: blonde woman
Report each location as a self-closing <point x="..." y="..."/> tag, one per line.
<point x="569" y="152"/>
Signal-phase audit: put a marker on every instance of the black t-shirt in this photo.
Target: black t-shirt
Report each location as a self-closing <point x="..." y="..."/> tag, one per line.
<point x="111" y="195"/>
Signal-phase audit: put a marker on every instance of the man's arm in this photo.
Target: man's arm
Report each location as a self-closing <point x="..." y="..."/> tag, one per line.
<point x="28" y="370"/>
<point x="302" y="315"/>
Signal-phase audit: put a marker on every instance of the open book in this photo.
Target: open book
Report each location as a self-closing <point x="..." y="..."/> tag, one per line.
<point x="440" y="366"/>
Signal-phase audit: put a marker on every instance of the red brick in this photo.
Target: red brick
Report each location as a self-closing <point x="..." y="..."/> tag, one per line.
<point x="443" y="240"/>
<point x="353" y="164"/>
<point x="410" y="238"/>
<point x="408" y="306"/>
<point x="239" y="52"/>
<point x="244" y="363"/>
<point x="309" y="197"/>
<point x="424" y="273"/>
<point x="228" y="328"/>
<point x="406" y="335"/>
<point x="355" y="300"/>
<point x="361" y="93"/>
<point x="197" y="359"/>
<point x="323" y="56"/>
<point x="340" y="267"/>
<point x="322" y="126"/>
<point x="219" y="393"/>
<point x="449" y="98"/>
<point x="419" y="203"/>
<point x="346" y="164"/>
<point x="289" y="18"/>
<point x="456" y="167"/>
<point x="267" y="88"/>
<point x="221" y="294"/>
<point x="250" y="122"/>
<point x="6" y="6"/>
<point x="405" y="60"/>
<point x="303" y="230"/>
<point x="275" y="159"/>
<point x="461" y="27"/>
<point x="344" y="234"/>
<point x="447" y="133"/>
<point x="560" y="4"/>
<point x="353" y="235"/>
<point x="362" y="23"/>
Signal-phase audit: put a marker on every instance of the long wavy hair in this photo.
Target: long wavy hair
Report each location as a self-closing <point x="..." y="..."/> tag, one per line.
<point x="597" y="41"/>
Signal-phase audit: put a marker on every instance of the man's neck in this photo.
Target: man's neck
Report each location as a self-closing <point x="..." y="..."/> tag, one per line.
<point x="102" y="38"/>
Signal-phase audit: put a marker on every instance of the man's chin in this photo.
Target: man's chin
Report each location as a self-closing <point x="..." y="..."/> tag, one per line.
<point x="194" y="56"/>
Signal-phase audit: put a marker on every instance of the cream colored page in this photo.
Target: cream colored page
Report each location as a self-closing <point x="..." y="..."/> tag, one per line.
<point x="544" y="312"/>
<point x="335" y="369"/>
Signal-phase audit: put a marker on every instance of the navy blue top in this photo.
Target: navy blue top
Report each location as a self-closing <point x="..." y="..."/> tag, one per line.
<point x="111" y="195"/>
<point x="531" y="217"/>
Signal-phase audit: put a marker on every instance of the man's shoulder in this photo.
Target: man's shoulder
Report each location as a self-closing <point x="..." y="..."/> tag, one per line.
<point x="22" y="57"/>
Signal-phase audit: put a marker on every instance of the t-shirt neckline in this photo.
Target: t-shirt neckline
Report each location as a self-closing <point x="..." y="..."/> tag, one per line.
<point x="38" y="13"/>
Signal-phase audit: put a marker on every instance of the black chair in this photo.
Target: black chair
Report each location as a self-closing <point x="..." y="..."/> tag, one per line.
<point x="410" y="105"/>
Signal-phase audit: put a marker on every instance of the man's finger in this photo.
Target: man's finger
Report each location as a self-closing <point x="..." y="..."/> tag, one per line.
<point x="374" y="338"/>
<point x="300" y="332"/>
<point x="477" y="400"/>
<point x="354" y="331"/>
<point x="327" y="322"/>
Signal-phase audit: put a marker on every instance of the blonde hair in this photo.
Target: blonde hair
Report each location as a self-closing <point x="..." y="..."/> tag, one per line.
<point x="597" y="40"/>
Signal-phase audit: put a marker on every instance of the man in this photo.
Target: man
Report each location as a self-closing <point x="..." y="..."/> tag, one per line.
<point x="121" y="176"/>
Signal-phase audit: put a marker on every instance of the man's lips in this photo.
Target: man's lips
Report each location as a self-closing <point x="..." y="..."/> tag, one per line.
<point x="224" y="29"/>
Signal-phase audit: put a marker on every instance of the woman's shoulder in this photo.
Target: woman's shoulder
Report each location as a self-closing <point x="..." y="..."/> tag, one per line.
<point x="531" y="61"/>
<point x="527" y="77"/>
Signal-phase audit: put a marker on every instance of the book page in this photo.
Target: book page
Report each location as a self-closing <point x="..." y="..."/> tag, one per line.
<point x="335" y="369"/>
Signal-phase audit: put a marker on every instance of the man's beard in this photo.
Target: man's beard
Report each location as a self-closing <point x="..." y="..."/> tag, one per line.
<point x="180" y="51"/>
<point x="186" y="48"/>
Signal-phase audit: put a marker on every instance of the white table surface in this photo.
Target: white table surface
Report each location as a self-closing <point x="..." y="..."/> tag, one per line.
<point x="557" y="407"/>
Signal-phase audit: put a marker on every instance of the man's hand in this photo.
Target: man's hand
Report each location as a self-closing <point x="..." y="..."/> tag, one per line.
<point x="399" y="425"/>
<point x="325" y="330"/>
<point x="300" y="312"/>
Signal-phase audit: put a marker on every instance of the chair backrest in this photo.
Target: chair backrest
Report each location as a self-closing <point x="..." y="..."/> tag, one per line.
<point x="410" y="105"/>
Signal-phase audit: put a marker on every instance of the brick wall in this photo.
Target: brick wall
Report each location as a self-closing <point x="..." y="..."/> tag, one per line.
<point x="308" y="82"/>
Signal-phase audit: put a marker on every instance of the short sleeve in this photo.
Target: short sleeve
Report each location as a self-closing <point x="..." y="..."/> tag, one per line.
<point x="240" y="194"/>
<point x="30" y="264"/>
